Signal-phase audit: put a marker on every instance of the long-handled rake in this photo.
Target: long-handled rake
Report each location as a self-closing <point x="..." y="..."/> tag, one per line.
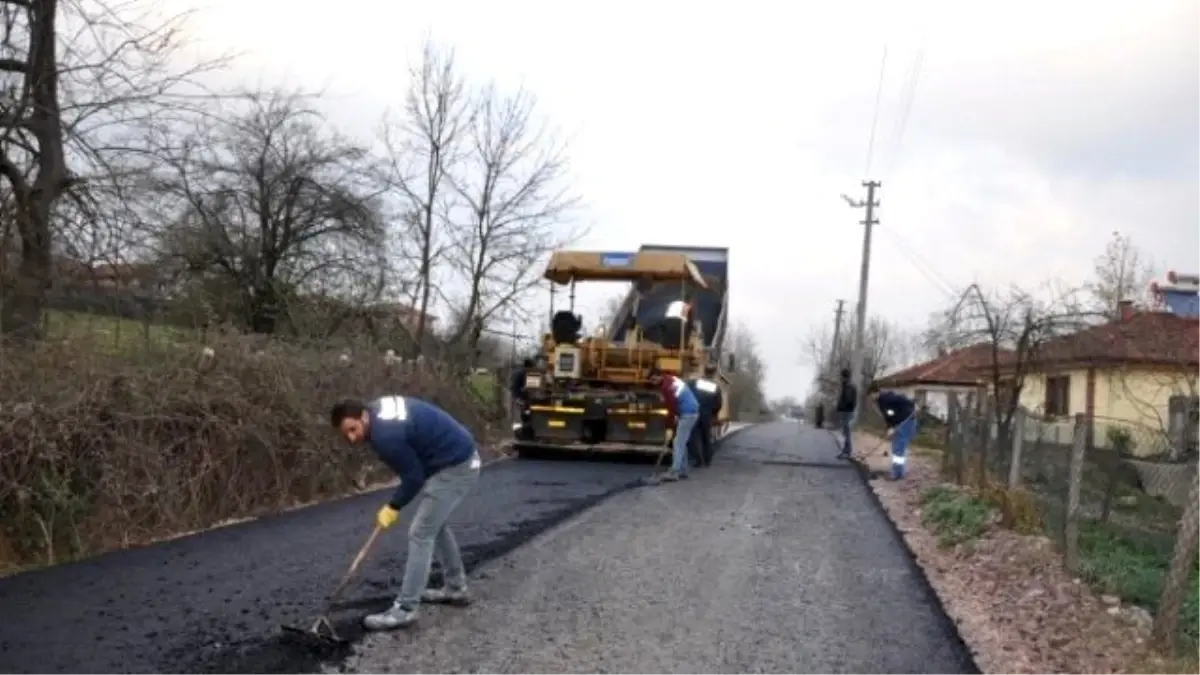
<point x="322" y="633"/>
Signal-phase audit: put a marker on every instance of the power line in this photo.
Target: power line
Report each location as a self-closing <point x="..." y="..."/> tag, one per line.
<point x="875" y="114"/>
<point x="923" y="266"/>
<point x="907" y="96"/>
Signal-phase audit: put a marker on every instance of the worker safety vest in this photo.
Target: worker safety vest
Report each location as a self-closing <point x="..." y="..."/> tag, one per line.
<point x="678" y="309"/>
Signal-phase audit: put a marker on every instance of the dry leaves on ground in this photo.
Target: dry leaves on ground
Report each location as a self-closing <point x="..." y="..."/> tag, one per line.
<point x="1015" y="606"/>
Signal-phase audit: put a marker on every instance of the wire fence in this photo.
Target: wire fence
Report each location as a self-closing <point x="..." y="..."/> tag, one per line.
<point x="1119" y="499"/>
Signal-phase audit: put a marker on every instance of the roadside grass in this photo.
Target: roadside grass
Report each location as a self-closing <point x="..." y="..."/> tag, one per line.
<point x="1181" y="664"/>
<point x="113" y="335"/>
<point x="955" y="516"/>
<point x="483" y="385"/>
<point x="1128" y="558"/>
<point x="1132" y="565"/>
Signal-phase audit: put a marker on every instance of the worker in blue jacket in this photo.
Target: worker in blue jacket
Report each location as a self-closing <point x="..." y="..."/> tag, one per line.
<point x="900" y="415"/>
<point x="436" y="459"/>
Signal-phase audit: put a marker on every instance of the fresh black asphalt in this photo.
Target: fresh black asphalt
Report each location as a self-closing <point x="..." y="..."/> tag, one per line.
<point x="213" y="602"/>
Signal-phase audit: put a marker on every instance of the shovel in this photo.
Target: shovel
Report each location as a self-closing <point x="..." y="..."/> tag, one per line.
<point x="321" y="633"/>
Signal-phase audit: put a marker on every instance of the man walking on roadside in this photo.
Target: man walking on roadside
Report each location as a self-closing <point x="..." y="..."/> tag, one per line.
<point x="708" y="395"/>
<point x="847" y="403"/>
<point x="900" y="415"/>
<point x="683" y="407"/>
<point x="436" y="459"/>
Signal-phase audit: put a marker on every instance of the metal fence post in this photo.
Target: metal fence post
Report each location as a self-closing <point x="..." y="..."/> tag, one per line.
<point x="962" y="433"/>
<point x="985" y="442"/>
<point x="1166" y="621"/>
<point x="953" y="417"/>
<point x="1018" y="438"/>
<point x="1074" y="478"/>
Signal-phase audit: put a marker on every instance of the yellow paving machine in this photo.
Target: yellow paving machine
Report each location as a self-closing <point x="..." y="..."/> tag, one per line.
<point x="590" y="393"/>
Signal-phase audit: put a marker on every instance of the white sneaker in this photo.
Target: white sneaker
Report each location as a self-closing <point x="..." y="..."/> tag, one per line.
<point x="396" y="617"/>
<point x="447" y="596"/>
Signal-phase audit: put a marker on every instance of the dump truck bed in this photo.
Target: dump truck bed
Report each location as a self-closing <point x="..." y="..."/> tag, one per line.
<point x="710" y="304"/>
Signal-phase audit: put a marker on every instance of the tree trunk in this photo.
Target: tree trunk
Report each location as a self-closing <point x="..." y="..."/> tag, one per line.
<point x="21" y="315"/>
<point x="264" y="311"/>
<point x="25" y="299"/>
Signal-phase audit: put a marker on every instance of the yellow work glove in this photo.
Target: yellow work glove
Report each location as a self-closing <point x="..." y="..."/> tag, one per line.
<point x="386" y="517"/>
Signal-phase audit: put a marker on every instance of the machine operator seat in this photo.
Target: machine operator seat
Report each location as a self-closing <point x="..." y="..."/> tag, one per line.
<point x="566" y="327"/>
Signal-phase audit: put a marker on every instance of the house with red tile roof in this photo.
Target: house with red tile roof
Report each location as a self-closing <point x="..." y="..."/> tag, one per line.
<point x="963" y="371"/>
<point x="1133" y="372"/>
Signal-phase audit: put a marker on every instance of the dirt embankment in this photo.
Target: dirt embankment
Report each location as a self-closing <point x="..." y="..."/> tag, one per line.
<point x="1016" y="607"/>
<point x="110" y="450"/>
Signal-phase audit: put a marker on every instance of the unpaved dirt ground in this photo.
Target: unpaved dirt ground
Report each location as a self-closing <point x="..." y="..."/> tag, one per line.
<point x="213" y="602"/>
<point x="775" y="560"/>
<point x="1016" y="608"/>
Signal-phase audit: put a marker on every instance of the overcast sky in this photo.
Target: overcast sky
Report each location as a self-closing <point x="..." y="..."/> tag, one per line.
<point x="1035" y="130"/>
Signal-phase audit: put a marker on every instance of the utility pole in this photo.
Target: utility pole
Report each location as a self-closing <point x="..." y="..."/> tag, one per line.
<point x="837" y="336"/>
<point x="863" y="277"/>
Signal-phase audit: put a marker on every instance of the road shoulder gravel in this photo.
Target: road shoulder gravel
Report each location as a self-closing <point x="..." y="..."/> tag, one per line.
<point x="747" y="567"/>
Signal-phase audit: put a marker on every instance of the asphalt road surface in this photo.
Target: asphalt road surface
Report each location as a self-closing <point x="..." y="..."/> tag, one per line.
<point x="213" y="602"/>
<point x="775" y="560"/>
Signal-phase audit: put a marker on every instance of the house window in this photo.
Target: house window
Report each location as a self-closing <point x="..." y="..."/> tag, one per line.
<point x="1058" y="396"/>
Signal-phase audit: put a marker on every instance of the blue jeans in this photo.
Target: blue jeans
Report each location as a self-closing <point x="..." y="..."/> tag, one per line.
<point x="679" y="445"/>
<point x="903" y="433"/>
<point x="847" y="425"/>
<point x="429" y="532"/>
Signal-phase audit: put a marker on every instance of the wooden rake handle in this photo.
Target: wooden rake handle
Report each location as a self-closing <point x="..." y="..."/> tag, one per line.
<point x="362" y="554"/>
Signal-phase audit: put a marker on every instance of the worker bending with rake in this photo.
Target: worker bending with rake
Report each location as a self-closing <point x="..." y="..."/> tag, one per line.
<point x="682" y="407"/>
<point x="437" y="460"/>
<point x="900" y="415"/>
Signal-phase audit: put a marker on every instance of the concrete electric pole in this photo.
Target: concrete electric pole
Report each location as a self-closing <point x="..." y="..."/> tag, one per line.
<point x="863" y="277"/>
<point x="837" y="336"/>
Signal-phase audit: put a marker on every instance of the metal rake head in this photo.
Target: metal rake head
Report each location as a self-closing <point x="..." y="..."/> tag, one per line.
<point x="320" y="634"/>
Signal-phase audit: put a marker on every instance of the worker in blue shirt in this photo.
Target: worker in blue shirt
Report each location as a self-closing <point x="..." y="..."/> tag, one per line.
<point x="684" y="410"/>
<point x="900" y="415"/>
<point x="436" y="459"/>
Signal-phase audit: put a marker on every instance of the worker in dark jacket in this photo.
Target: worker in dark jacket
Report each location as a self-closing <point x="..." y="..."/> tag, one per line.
<point x="516" y="385"/>
<point x="520" y="397"/>
<point x="708" y="395"/>
<point x="847" y="403"/>
<point x="436" y="459"/>
<point x="900" y="415"/>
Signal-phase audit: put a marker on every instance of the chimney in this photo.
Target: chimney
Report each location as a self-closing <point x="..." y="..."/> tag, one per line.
<point x="1125" y="310"/>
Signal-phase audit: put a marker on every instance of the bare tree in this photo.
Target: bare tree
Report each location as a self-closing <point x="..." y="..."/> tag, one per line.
<point x="612" y="307"/>
<point x="515" y="198"/>
<point x="1121" y="274"/>
<point x="422" y="146"/>
<point x="885" y="346"/>
<point x="1014" y="323"/>
<point x="785" y="406"/>
<point x="83" y="76"/>
<point x="274" y="206"/>
<point x="746" y="397"/>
